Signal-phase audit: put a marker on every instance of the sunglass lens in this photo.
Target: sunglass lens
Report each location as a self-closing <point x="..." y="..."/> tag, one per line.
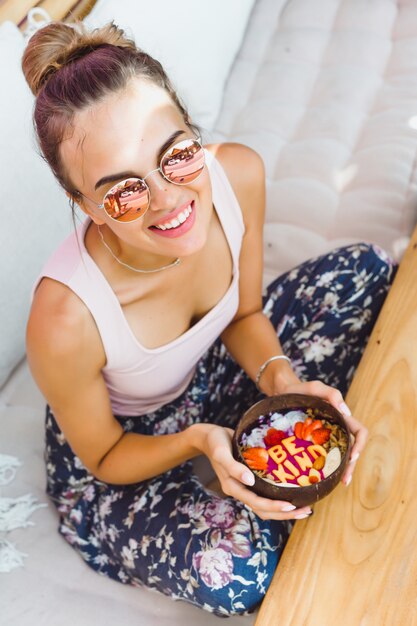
<point x="184" y="162"/>
<point x="127" y="201"/>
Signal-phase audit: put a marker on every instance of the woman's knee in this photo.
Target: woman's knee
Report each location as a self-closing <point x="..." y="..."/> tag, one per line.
<point x="365" y="273"/>
<point x="373" y="259"/>
<point x="236" y="585"/>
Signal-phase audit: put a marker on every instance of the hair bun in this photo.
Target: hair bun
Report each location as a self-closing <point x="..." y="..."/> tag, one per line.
<point x="58" y="44"/>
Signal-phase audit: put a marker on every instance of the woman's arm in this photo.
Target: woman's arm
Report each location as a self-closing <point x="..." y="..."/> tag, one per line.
<point x="251" y="338"/>
<point x="66" y="355"/>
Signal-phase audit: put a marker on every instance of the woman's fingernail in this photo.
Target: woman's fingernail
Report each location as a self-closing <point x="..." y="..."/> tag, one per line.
<point x="345" y="409"/>
<point x="248" y="478"/>
<point x="302" y="516"/>
<point x="354" y="458"/>
<point x="289" y="507"/>
<point x="347" y="483"/>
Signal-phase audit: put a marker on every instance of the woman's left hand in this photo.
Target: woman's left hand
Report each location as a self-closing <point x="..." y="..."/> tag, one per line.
<point x="332" y="395"/>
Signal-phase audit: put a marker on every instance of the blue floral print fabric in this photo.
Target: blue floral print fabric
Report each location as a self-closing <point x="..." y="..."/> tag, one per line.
<point x="170" y="533"/>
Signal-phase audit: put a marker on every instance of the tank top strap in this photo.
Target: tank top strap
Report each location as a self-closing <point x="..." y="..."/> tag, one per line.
<point x="227" y="207"/>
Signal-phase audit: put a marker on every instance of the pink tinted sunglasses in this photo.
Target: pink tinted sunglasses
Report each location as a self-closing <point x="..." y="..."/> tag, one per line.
<point x="129" y="199"/>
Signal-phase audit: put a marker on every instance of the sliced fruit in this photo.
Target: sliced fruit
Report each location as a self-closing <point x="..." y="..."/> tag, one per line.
<point x="321" y="435"/>
<point x="314" y="476"/>
<point x="303" y="481"/>
<point x="333" y="460"/>
<point x="273" y="437"/>
<point x="307" y="430"/>
<point x="256" y="458"/>
<point x="319" y="462"/>
<point x="298" y="429"/>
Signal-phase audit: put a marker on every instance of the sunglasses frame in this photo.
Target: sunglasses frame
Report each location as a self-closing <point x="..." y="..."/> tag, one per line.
<point x="143" y="180"/>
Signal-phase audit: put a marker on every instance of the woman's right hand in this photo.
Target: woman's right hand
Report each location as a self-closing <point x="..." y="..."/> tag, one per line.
<point x="234" y="477"/>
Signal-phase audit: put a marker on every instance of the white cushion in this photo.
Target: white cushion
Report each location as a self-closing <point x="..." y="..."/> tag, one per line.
<point x="196" y="42"/>
<point x="35" y="212"/>
<point x="326" y="92"/>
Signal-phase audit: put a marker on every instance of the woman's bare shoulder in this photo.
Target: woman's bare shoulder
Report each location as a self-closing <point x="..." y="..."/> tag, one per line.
<point x="65" y="356"/>
<point x="60" y="325"/>
<point x="235" y="156"/>
<point x="246" y="173"/>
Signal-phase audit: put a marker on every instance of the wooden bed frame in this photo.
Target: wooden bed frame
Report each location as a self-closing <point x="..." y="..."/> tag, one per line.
<point x="354" y="561"/>
<point x="17" y="10"/>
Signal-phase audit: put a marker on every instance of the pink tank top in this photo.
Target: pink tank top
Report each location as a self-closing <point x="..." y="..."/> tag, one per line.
<point x="141" y="380"/>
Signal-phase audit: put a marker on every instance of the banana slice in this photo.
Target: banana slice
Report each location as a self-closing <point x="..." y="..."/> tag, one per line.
<point x="333" y="460"/>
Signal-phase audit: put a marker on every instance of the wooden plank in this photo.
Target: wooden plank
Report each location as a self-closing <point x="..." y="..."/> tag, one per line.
<point x="16" y="10"/>
<point x="67" y="9"/>
<point x="354" y="561"/>
<point x="82" y="9"/>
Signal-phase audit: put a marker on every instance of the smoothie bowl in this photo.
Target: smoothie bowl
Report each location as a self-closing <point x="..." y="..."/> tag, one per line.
<point x="297" y="446"/>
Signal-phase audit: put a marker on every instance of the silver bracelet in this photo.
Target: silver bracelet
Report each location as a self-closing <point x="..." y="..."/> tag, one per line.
<point x="265" y="365"/>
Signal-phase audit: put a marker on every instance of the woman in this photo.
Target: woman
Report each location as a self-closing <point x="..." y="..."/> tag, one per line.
<point x="148" y="331"/>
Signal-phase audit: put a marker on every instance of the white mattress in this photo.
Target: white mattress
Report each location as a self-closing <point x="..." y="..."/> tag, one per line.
<point x="326" y="92"/>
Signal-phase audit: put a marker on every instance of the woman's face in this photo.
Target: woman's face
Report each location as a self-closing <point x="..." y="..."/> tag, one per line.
<point x="122" y="137"/>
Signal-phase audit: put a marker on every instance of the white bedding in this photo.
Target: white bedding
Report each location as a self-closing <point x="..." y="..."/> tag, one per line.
<point x="326" y="91"/>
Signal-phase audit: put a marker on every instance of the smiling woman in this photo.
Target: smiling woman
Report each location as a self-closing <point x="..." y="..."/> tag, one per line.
<point x="148" y="330"/>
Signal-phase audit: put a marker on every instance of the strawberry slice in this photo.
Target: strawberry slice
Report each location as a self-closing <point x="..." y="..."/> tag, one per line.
<point x="320" y="435"/>
<point x="298" y="429"/>
<point x="273" y="437"/>
<point x="256" y="458"/>
<point x="307" y="430"/>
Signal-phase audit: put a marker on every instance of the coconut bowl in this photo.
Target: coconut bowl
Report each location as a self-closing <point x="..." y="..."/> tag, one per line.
<point x="298" y="496"/>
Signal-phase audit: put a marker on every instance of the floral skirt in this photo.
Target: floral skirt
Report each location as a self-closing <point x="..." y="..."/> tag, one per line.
<point x="170" y="533"/>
